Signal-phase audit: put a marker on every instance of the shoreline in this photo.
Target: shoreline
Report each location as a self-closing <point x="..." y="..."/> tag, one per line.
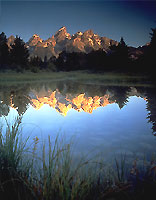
<point x="108" y="78"/>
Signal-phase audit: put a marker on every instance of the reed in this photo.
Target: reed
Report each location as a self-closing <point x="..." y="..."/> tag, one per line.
<point x="13" y="167"/>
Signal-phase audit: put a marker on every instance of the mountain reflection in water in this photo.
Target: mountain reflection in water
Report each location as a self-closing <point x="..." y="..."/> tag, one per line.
<point x="79" y="103"/>
<point x="64" y="96"/>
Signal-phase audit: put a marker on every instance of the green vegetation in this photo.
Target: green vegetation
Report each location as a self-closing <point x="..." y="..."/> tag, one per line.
<point x="79" y="76"/>
<point x="53" y="175"/>
<point x="13" y="169"/>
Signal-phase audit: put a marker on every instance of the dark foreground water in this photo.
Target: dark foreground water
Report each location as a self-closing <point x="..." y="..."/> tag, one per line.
<point x="109" y="120"/>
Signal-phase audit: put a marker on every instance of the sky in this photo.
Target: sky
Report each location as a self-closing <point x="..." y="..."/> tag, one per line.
<point x="131" y="20"/>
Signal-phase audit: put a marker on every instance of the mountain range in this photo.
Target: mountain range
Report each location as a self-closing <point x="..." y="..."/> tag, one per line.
<point x="64" y="41"/>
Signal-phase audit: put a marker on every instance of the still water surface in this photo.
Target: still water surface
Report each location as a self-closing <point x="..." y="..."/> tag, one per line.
<point x="100" y="118"/>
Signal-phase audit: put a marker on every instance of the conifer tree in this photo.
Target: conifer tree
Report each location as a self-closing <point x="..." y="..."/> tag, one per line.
<point x="152" y="46"/>
<point x="122" y="48"/>
<point x="119" y="56"/>
<point x="150" y="56"/>
<point x="148" y="59"/>
<point x="19" y="53"/>
<point x="153" y="38"/>
<point x="4" y="51"/>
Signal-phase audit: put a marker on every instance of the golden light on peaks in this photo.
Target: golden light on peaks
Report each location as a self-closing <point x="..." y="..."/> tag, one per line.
<point x="36" y="36"/>
<point x="105" y="100"/>
<point x="79" y="103"/>
<point x="87" y="105"/>
<point x="36" y="104"/>
<point x="45" y="45"/>
<point x="39" y="102"/>
<point x="96" y="102"/>
<point x="63" y="108"/>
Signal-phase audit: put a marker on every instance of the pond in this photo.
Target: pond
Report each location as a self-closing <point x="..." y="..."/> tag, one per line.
<point x="100" y="119"/>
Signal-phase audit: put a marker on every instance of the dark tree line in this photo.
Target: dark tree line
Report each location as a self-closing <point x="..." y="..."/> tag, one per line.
<point x="148" y="59"/>
<point x="14" y="58"/>
<point x="17" y="57"/>
<point x="116" y="59"/>
<point x="4" y="51"/>
<point x="99" y="60"/>
<point x="19" y="53"/>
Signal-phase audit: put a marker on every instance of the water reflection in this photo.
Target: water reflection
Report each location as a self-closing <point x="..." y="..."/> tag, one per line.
<point x="65" y="103"/>
<point x="64" y="96"/>
<point x="151" y="107"/>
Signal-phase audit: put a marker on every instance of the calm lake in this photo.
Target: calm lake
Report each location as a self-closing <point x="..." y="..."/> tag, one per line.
<point x="108" y="120"/>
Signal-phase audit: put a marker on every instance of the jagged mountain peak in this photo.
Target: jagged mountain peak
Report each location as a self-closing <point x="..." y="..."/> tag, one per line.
<point x="89" y="32"/>
<point x="34" y="40"/>
<point x="63" y="41"/>
<point x="11" y="37"/>
<point x="62" y="34"/>
<point x="36" y="36"/>
<point x="63" y="28"/>
<point x="77" y="34"/>
<point x="79" y="42"/>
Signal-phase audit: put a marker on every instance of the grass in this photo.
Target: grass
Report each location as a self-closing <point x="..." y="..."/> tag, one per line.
<point x="108" y="78"/>
<point x="53" y="175"/>
<point x="13" y="168"/>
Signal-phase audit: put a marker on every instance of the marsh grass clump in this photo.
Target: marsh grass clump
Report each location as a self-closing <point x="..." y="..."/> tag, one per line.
<point x="59" y="178"/>
<point x="13" y="169"/>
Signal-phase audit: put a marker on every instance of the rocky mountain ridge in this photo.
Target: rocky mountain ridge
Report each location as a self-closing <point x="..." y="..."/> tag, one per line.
<point x="64" y="41"/>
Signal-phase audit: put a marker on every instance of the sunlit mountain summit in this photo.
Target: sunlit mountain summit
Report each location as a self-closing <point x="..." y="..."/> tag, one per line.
<point x="80" y="42"/>
<point x="64" y="41"/>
